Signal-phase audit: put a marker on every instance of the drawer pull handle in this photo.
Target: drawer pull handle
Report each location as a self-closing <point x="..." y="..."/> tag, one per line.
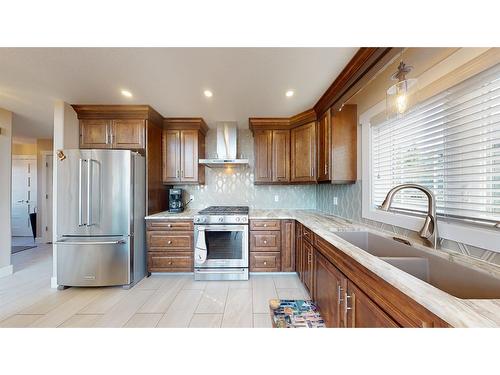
<point x="169" y="242"/>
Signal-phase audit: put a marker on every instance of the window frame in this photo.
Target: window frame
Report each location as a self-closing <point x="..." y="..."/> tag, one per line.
<point x="469" y="234"/>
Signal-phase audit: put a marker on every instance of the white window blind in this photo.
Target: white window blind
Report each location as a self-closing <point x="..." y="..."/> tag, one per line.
<point x="450" y="144"/>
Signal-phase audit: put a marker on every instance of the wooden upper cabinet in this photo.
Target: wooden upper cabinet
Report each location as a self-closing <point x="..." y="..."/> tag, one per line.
<point x="324" y="149"/>
<point x="95" y="133"/>
<point x="362" y="312"/>
<point x="189" y="155"/>
<point x="263" y="141"/>
<point x="128" y="134"/>
<point x="280" y="155"/>
<point x="303" y="152"/>
<point x="183" y="146"/>
<point x="171" y="156"/>
<point x="329" y="287"/>
<point x="344" y="145"/>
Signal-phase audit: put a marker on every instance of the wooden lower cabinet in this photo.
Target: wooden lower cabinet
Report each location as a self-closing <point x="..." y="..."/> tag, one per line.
<point x="362" y="312"/>
<point x="308" y="266"/>
<point x="170" y="245"/>
<point x="329" y="287"/>
<point x="348" y="294"/>
<point x="288" y="245"/>
<point x="265" y="261"/>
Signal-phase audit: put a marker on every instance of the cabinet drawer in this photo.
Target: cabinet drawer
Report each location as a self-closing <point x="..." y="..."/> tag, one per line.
<point x="177" y="225"/>
<point x="265" y="241"/>
<point x="176" y="262"/>
<point x="164" y="241"/>
<point x="307" y="234"/>
<point x="265" y="225"/>
<point x="265" y="262"/>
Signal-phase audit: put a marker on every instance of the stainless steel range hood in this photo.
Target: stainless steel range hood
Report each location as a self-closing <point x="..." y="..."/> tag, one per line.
<point x="227" y="137"/>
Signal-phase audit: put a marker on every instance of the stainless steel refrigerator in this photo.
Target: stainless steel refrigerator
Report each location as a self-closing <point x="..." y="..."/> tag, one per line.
<point x="100" y="218"/>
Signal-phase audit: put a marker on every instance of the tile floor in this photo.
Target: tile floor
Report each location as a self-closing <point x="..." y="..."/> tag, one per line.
<point x="26" y="299"/>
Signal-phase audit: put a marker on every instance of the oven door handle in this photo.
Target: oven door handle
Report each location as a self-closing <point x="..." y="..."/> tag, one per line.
<point x="200" y="249"/>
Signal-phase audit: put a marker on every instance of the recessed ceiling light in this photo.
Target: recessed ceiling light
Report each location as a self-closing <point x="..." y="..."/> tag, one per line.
<point x="126" y="93"/>
<point x="289" y="93"/>
<point x="208" y="93"/>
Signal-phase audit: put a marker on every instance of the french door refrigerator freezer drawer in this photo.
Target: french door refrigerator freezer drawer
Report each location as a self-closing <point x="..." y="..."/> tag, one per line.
<point x="93" y="262"/>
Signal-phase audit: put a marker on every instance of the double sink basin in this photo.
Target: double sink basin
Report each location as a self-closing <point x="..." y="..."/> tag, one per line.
<point x="453" y="278"/>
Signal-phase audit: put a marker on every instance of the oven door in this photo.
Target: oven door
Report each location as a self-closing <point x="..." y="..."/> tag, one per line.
<point x="225" y="246"/>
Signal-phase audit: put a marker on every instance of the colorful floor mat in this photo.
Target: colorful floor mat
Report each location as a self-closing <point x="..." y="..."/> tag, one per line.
<point x="295" y="313"/>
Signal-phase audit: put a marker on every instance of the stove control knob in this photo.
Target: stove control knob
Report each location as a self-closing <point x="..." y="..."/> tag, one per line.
<point x="203" y="219"/>
<point x="237" y="219"/>
<point x="220" y="219"/>
<point x="196" y="219"/>
<point x="244" y="219"/>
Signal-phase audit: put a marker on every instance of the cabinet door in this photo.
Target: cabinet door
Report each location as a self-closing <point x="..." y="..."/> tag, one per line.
<point x="281" y="156"/>
<point x="308" y="266"/>
<point x="95" y="134"/>
<point x="263" y="155"/>
<point x="171" y="156"/>
<point x="287" y="245"/>
<point x="324" y="151"/>
<point x="344" y="145"/>
<point x="329" y="284"/>
<point x="303" y="152"/>
<point x="298" y="251"/>
<point x="362" y="312"/>
<point x="128" y="134"/>
<point x="189" y="155"/>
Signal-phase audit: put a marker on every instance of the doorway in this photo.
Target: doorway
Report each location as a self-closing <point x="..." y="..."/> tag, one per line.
<point x="24" y="201"/>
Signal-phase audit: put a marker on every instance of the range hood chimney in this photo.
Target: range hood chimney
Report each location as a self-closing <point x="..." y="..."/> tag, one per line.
<point x="227" y="137"/>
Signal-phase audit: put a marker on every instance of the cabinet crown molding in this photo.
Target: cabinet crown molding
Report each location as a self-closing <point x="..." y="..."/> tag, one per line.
<point x="116" y="111"/>
<point x="281" y="123"/>
<point x="183" y="123"/>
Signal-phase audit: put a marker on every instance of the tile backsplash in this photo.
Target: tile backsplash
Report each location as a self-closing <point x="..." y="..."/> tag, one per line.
<point x="349" y="206"/>
<point x="234" y="186"/>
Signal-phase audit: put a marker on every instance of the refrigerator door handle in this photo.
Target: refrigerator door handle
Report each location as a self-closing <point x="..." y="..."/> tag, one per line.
<point x="80" y="195"/>
<point x="116" y="242"/>
<point x="89" y="192"/>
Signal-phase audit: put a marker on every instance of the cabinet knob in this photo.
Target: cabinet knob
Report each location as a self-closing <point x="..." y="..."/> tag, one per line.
<point x="265" y="263"/>
<point x="265" y="225"/>
<point x="169" y="242"/>
<point x="170" y="263"/>
<point x="169" y="225"/>
<point x="265" y="241"/>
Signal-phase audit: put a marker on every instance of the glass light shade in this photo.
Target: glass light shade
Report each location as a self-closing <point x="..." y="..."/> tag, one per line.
<point x="400" y="98"/>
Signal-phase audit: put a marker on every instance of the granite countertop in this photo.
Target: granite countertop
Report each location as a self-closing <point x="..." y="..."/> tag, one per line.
<point x="457" y="312"/>
<point x="187" y="214"/>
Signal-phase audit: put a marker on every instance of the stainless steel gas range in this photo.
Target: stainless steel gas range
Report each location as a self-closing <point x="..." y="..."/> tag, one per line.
<point x="221" y="243"/>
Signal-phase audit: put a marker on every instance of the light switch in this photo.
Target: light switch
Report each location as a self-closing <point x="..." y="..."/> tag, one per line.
<point x="276" y="198"/>
<point x="335" y="201"/>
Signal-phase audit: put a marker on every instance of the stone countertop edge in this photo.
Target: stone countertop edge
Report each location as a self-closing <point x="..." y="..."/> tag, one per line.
<point x="455" y="311"/>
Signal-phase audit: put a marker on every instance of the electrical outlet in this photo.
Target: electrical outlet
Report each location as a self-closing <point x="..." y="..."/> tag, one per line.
<point x="276" y="198"/>
<point x="335" y="201"/>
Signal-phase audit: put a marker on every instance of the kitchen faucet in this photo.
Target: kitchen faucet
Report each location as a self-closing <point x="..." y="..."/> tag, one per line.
<point x="429" y="230"/>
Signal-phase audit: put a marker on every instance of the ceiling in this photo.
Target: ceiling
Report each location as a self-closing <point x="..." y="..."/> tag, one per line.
<point x="246" y="82"/>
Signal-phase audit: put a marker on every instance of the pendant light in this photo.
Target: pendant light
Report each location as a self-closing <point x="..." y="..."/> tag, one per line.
<point x="402" y="96"/>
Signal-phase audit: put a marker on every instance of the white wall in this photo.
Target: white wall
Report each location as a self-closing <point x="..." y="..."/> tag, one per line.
<point x="66" y="133"/>
<point x="5" y="191"/>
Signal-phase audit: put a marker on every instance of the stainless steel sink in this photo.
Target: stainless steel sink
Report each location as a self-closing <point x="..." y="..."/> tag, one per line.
<point x="456" y="279"/>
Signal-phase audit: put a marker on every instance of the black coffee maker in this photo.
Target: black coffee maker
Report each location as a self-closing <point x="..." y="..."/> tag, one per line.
<point x="175" y="200"/>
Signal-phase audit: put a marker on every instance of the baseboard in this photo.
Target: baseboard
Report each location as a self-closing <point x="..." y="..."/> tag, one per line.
<point x="6" y="271"/>
<point x="53" y="282"/>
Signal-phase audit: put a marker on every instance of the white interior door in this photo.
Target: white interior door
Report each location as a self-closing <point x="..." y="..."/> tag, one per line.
<point x="23" y="195"/>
